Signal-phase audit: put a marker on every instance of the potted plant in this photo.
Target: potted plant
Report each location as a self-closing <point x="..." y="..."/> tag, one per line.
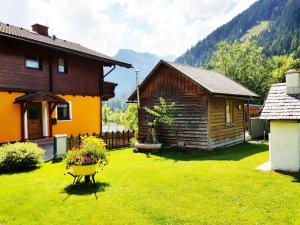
<point x="83" y="161"/>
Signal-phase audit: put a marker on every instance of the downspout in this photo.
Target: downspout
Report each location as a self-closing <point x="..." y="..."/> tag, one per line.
<point x="101" y="82"/>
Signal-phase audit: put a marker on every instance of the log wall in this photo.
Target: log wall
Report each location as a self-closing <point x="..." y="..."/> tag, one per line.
<point x="191" y="106"/>
<point x="220" y="133"/>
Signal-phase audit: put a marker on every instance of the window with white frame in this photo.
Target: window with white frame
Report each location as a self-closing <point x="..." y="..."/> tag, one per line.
<point x="229" y="112"/>
<point x="64" y="111"/>
<point x="62" y="65"/>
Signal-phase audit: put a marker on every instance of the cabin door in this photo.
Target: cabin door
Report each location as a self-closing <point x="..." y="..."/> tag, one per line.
<point x="34" y="120"/>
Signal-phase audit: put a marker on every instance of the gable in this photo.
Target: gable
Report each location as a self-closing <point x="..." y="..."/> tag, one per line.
<point x="165" y="81"/>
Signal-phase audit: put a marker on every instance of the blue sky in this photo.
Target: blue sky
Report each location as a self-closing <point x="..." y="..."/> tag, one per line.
<point x="161" y="27"/>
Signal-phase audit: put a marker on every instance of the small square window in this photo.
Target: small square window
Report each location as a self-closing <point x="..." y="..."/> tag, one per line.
<point x="62" y="65"/>
<point x="229" y="112"/>
<point x="63" y="111"/>
<point x="33" y="61"/>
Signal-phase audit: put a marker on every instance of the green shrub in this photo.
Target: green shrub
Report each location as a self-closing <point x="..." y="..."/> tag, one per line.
<point x="92" y="151"/>
<point x="20" y="156"/>
<point x="133" y="141"/>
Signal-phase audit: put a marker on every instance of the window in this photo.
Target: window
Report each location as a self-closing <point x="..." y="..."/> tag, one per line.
<point x="33" y="61"/>
<point x="229" y="112"/>
<point x="63" y="111"/>
<point x="62" y="65"/>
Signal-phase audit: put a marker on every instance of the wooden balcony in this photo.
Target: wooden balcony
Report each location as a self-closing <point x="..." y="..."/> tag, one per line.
<point x="108" y="90"/>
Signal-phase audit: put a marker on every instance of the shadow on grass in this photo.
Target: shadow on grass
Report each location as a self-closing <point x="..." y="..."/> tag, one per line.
<point x="234" y="153"/>
<point x="85" y="189"/>
<point x="59" y="160"/>
<point x="12" y="171"/>
<point x="294" y="175"/>
<point x="117" y="149"/>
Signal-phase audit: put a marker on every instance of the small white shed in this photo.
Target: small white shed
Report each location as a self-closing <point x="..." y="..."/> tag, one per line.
<point x="282" y="108"/>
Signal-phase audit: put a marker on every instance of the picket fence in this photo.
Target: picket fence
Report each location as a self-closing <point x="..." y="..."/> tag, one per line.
<point x="112" y="139"/>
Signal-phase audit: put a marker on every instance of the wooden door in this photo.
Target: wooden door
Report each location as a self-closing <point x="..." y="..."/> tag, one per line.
<point x="34" y="118"/>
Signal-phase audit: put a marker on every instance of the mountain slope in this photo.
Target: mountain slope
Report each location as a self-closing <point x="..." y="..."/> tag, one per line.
<point x="125" y="78"/>
<point x="261" y="11"/>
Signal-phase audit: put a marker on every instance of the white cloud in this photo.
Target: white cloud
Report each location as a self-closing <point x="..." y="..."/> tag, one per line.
<point x="157" y="26"/>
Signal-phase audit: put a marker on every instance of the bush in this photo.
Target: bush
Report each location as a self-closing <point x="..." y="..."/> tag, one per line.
<point x="92" y="151"/>
<point x="20" y="156"/>
<point x="133" y="141"/>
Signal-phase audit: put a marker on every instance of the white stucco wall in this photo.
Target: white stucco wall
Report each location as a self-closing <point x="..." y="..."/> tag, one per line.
<point x="285" y="145"/>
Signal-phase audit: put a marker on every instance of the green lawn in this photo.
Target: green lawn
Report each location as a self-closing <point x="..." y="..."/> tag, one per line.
<point x="173" y="188"/>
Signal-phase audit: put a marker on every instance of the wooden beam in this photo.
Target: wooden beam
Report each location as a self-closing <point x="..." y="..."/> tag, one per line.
<point x="22" y="122"/>
<point x="248" y="117"/>
<point x="51" y="108"/>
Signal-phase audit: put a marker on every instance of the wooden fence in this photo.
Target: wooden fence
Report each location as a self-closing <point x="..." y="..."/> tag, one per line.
<point x="112" y="139"/>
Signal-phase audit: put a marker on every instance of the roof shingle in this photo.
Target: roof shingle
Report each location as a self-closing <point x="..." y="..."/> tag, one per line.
<point x="213" y="82"/>
<point x="281" y="106"/>
<point x="31" y="36"/>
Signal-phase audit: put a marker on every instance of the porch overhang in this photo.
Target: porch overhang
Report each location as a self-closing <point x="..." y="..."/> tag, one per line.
<point x="39" y="97"/>
<point x="26" y="100"/>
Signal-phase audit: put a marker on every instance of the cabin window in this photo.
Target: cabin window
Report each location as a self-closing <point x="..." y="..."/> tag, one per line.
<point x="229" y="112"/>
<point x="64" y="111"/>
<point x="33" y="61"/>
<point x="62" y="65"/>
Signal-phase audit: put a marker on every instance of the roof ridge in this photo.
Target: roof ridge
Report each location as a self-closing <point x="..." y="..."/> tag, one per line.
<point x="14" y="32"/>
<point x="212" y="71"/>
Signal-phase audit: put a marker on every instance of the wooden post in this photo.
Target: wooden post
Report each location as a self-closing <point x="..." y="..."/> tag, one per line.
<point x="248" y="117"/>
<point x="112" y="139"/>
<point x="128" y="136"/>
<point x="22" y="122"/>
<point x="50" y="111"/>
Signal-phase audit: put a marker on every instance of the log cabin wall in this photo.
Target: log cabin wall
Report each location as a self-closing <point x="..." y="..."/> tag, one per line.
<point x="221" y="134"/>
<point x="191" y="106"/>
<point x="82" y="78"/>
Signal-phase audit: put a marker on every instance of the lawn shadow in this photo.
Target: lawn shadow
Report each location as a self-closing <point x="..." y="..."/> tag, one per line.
<point x="85" y="189"/>
<point x="56" y="160"/>
<point x="19" y="170"/>
<point x="234" y="153"/>
<point x="294" y="175"/>
<point x="117" y="149"/>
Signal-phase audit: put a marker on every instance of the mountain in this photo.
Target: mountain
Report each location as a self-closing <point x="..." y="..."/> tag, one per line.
<point x="126" y="78"/>
<point x="274" y="24"/>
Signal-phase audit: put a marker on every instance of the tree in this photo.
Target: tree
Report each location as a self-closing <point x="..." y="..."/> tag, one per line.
<point x="116" y="117"/>
<point x="244" y="63"/>
<point x="129" y="119"/>
<point x="163" y="114"/>
<point x="281" y="64"/>
<point x="105" y="114"/>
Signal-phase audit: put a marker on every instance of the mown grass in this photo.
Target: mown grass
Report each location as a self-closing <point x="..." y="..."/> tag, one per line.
<point x="221" y="187"/>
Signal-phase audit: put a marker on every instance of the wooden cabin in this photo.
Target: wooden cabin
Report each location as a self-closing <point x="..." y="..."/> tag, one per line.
<point x="49" y="86"/>
<point x="210" y="106"/>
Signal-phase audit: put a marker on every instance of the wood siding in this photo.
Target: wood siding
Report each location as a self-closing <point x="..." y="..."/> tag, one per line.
<point x="83" y="75"/>
<point x="221" y="134"/>
<point x="191" y="106"/>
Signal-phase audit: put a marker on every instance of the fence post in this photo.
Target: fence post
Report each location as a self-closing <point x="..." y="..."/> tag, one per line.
<point x="112" y="139"/>
<point x="123" y="138"/>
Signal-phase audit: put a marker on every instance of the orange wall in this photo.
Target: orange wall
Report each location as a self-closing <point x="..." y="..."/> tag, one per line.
<point x="10" y="119"/>
<point x="85" y="116"/>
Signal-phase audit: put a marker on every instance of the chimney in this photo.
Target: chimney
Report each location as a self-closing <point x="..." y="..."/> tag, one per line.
<point x="293" y="82"/>
<point x="40" y="29"/>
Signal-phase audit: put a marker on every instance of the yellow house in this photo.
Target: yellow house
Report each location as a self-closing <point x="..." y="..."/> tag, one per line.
<point x="49" y="86"/>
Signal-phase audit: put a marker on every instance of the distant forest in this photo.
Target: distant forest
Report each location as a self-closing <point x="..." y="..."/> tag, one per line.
<point x="280" y="36"/>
